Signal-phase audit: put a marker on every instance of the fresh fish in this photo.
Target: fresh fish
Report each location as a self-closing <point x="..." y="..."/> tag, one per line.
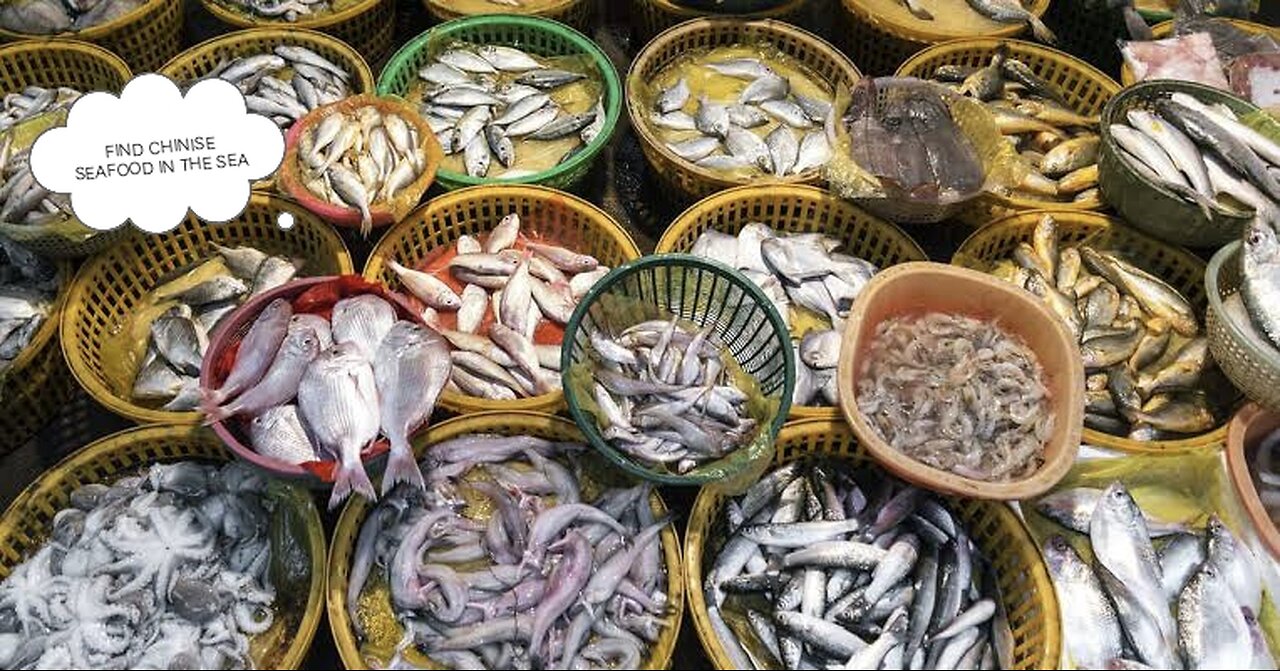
<point x="768" y="87"/>
<point x="1011" y="11"/>
<point x="280" y="383"/>
<point x="426" y="287"/>
<point x="1122" y="545"/>
<point x="338" y="401"/>
<point x="257" y="350"/>
<point x="1260" y="283"/>
<point x="1212" y="630"/>
<point x="1086" y="609"/>
<point x="278" y="433"/>
<point x="362" y="321"/>
<point x="673" y="98"/>
<point x="784" y="150"/>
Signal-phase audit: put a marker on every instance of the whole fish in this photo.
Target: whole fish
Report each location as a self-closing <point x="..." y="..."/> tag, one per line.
<point x="410" y="370"/>
<point x="338" y="402"/>
<point x="1086" y="609"/>
<point x="1212" y="629"/>
<point x="1012" y="11"/>
<point x="256" y="352"/>
<point x="1121" y="543"/>
<point x="361" y="322"/>
<point x="278" y="433"/>
<point x="280" y="383"/>
<point x="1260" y="284"/>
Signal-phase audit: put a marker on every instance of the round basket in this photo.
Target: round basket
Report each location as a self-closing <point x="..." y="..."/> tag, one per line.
<point x="794" y="209"/>
<point x="367" y="25"/>
<point x="25" y="524"/>
<point x="1165" y="29"/>
<point x="682" y="180"/>
<point x="85" y="67"/>
<point x="1084" y="88"/>
<point x="1150" y="207"/>
<point x="1181" y="269"/>
<point x="709" y="295"/>
<point x="145" y="37"/>
<point x="880" y="43"/>
<point x="538" y="36"/>
<point x="650" y="17"/>
<point x="36" y="384"/>
<point x="109" y="286"/>
<point x="507" y="424"/>
<point x="997" y="531"/>
<point x="576" y="13"/>
<point x="433" y="228"/>
<point x="1247" y="358"/>
<point x="1250" y="425"/>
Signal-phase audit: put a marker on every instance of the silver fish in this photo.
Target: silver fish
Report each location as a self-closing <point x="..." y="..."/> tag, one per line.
<point x="338" y="402"/>
<point x="278" y="433"/>
<point x="410" y="370"/>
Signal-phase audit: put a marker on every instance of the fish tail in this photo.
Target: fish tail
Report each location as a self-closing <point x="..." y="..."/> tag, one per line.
<point x="401" y="467"/>
<point x="1041" y="31"/>
<point x="211" y="406"/>
<point x="351" y="477"/>
<point x="366" y="221"/>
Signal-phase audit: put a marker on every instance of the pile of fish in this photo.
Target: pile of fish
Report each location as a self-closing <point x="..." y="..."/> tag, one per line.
<point x="28" y="288"/>
<point x="22" y="199"/>
<point x="33" y="101"/>
<point x="1000" y="11"/>
<point x="49" y="17"/>
<point x="1144" y="355"/>
<point x="197" y="302"/>
<point x="324" y="390"/>
<point x="1200" y="151"/>
<point x="361" y="157"/>
<point x="958" y="394"/>
<point x="1060" y="145"/>
<point x="728" y="111"/>
<point x="511" y="287"/>
<point x="798" y="270"/>
<point x="1192" y="603"/>
<point x="497" y="102"/>
<point x="286" y="82"/>
<point x="287" y="10"/>
<point x="666" y="397"/>
<point x="502" y="566"/>
<point x="829" y="567"/>
<point x="165" y="569"/>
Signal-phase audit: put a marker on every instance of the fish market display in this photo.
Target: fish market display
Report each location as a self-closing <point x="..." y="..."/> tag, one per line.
<point x="501" y="112"/>
<point x="1201" y="152"/>
<point x="829" y="567"/>
<point x="286" y="82"/>
<point x="282" y="10"/>
<point x="513" y="559"/>
<point x="1060" y="146"/>
<point x="916" y="370"/>
<point x="1148" y="365"/>
<point x="1190" y="597"/>
<point x="316" y="389"/>
<point x="810" y="284"/>
<point x="502" y="302"/>
<point x="28" y="288"/>
<point x="360" y="158"/>
<point x="23" y="200"/>
<point x="743" y="112"/>
<point x="665" y="395"/>
<point x="165" y="569"/>
<point x="176" y="319"/>
<point x="49" y="17"/>
<point x="33" y="101"/>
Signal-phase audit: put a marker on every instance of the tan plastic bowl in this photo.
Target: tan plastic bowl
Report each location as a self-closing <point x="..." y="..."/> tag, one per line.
<point x="914" y="288"/>
<point x="1247" y="428"/>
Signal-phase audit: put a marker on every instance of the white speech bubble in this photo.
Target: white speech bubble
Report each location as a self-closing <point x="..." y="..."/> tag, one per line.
<point x="152" y="153"/>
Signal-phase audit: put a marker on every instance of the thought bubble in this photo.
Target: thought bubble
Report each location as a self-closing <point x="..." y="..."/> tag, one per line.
<point x="152" y="153"/>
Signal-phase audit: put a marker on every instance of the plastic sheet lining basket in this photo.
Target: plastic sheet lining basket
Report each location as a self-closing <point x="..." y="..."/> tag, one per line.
<point x="367" y="25"/>
<point x="145" y="37"/>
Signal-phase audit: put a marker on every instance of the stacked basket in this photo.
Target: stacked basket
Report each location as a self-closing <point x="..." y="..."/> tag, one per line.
<point x="367" y="25"/>
<point x="145" y="37"/>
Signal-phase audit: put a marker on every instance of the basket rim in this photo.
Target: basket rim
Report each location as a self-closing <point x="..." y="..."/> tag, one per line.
<point x="1165" y="29"/>
<point x="348" y="527"/>
<point x="551" y="9"/>
<point x="1230" y="253"/>
<point x="1238" y="470"/>
<point x="587" y="424"/>
<point x="671" y="8"/>
<point x="876" y="20"/>
<point x="329" y="20"/>
<point x="611" y="85"/>
<point x="649" y="140"/>
<point x="271" y="34"/>
<point x="102" y="29"/>
<point x="55" y="477"/>
<point x="44" y="45"/>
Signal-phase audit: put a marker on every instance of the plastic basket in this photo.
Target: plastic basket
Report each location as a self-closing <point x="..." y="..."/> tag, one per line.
<point x="1181" y="269"/>
<point x="507" y="424"/>
<point x="538" y="36"/>
<point x="1250" y="425"/>
<point x="650" y="17"/>
<point x="110" y="286"/>
<point x="145" y="37"/>
<point x="1165" y="29"/>
<point x="367" y="25"/>
<point x="26" y="522"/>
<point x="1024" y="583"/>
<point x="709" y="295"/>
<point x="576" y="13"/>
<point x="1253" y="366"/>
<point x="36" y="385"/>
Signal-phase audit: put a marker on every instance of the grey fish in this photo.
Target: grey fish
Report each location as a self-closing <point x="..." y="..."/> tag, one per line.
<point x="694" y="149"/>
<point x="787" y="112"/>
<point x="1232" y="149"/>
<point x="742" y="68"/>
<point x="508" y="59"/>
<point x="813" y="153"/>
<point x="712" y="118"/>
<point x="746" y="116"/>
<point x="749" y="147"/>
<point x="533" y="122"/>
<point x="180" y="342"/>
<point x="549" y="79"/>
<point x="769" y="87"/>
<point x="1085" y="608"/>
<point x="410" y="370"/>
<point x="1073" y="508"/>
<point x="278" y="433"/>
<point x="1012" y="11"/>
<point x="563" y="125"/>
<point x="673" y="98"/>
<point x="1260" y="287"/>
<point x="676" y="120"/>
<point x="1212" y="630"/>
<point x="784" y="151"/>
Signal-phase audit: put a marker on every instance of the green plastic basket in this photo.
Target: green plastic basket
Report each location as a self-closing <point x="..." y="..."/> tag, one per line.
<point x="1152" y="208"/>
<point x="538" y="36"/>
<point x="1243" y="354"/>
<point x="708" y="294"/>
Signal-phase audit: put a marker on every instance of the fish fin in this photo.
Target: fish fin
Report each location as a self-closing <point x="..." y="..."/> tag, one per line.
<point x="401" y="467"/>
<point x="351" y="478"/>
<point x="1042" y="31"/>
<point x="211" y="406"/>
<point x="366" y="222"/>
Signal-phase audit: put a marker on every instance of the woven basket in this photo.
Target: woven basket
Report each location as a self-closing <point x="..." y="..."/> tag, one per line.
<point x="1165" y="29"/>
<point x="26" y="522"/>
<point x="650" y="17"/>
<point x="879" y="44"/>
<point x="794" y="209"/>
<point x="434" y="227"/>
<point x="504" y="423"/>
<point x="367" y="25"/>
<point x="36" y="384"/>
<point x="576" y="13"/>
<point x="1025" y="588"/>
<point x="1181" y="269"/>
<point x="1084" y="88"/>
<point x="1252" y="365"/>
<point x="145" y="38"/>
<point x="111" y="285"/>
<point x="684" y="181"/>
<point x="84" y="67"/>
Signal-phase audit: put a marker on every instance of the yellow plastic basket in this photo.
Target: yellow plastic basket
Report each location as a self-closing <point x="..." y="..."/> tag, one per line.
<point x="683" y="180"/>
<point x="1024" y="583"/>
<point x="1165" y="29"/>
<point x="650" y="17"/>
<point x="1180" y="268"/>
<point x="26" y="522"/>
<point x="576" y="13"/>
<point x="434" y="227"/>
<point x="37" y="384"/>
<point x="879" y="44"/>
<point x="507" y="424"/>
<point x="1085" y="89"/>
<point x="368" y="26"/>
<point x="794" y="208"/>
<point x="145" y="38"/>
<point x="109" y="286"/>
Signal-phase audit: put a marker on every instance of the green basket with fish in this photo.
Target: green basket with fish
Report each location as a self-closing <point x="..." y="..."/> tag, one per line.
<point x="366" y="629"/>
<point x="589" y="99"/>
<point x="295" y="533"/>
<point x="1243" y="351"/>
<point x="989" y="248"/>
<point x="1146" y="196"/>
<point x="144" y="33"/>
<point x="752" y="349"/>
